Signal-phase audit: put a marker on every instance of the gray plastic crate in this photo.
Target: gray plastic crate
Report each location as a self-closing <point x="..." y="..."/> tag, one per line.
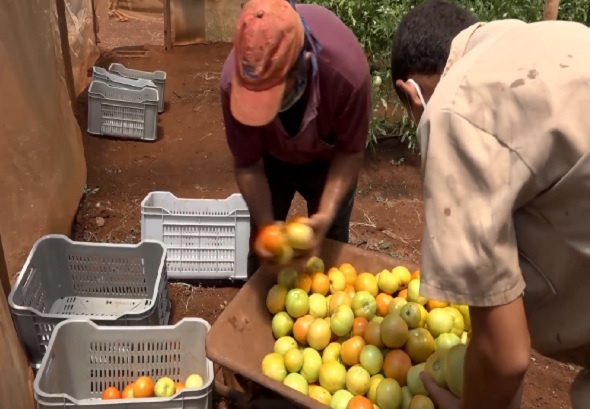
<point x="205" y="238"/>
<point x="112" y="79"/>
<point x="157" y="77"/>
<point x="126" y="113"/>
<point x="112" y="284"/>
<point x="83" y="359"/>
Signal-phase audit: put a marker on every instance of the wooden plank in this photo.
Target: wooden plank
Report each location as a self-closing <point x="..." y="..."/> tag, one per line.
<point x="551" y="9"/>
<point x="167" y="26"/>
<point x="16" y="386"/>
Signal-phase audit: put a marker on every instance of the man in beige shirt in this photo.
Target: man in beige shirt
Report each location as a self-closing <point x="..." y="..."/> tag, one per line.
<point x="503" y="113"/>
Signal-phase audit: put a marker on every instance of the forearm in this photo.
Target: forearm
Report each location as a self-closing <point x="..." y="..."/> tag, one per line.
<point x="253" y="185"/>
<point x="343" y="172"/>
<point x="497" y="357"/>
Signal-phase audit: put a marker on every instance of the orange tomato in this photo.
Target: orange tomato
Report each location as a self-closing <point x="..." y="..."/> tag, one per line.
<point x="320" y="283"/>
<point x="179" y="386"/>
<point x="433" y="304"/>
<point x="143" y="387"/>
<point x="403" y="294"/>
<point x="350" y="351"/>
<point x="301" y="327"/>
<point x="111" y="393"/>
<point x="358" y="326"/>
<point x="349" y="273"/>
<point x="396" y="366"/>
<point x="383" y="300"/>
<point x="350" y="291"/>
<point x="339" y="298"/>
<point x="271" y="238"/>
<point x="128" y="391"/>
<point x="415" y="274"/>
<point x="303" y="281"/>
<point x="367" y="282"/>
<point x="359" y="402"/>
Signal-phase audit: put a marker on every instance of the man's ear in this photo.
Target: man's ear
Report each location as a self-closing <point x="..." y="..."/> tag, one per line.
<point x="410" y="91"/>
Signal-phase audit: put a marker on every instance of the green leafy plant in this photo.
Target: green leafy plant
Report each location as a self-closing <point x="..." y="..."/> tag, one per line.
<point x="374" y="24"/>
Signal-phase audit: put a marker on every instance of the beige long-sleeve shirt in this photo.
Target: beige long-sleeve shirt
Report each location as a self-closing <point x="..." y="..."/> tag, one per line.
<point x="505" y="143"/>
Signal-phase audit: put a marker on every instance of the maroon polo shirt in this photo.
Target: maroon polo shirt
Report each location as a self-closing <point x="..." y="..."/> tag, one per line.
<point x="332" y="116"/>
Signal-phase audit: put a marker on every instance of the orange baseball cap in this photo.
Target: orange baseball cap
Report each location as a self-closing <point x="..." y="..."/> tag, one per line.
<point x="268" y="38"/>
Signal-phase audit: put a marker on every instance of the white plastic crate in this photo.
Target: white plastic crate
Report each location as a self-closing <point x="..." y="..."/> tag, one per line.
<point x="115" y="80"/>
<point x="83" y="359"/>
<point x="205" y="238"/>
<point x="112" y="284"/>
<point x="125" y="113"/>
<point x="157" y="77"/>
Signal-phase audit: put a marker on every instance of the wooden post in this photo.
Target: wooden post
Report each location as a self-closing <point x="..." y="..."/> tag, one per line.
<point x="167" y="26"/>
<point x="15" y="387"/>
<point x="95" y="22"/>
<point x="62" y="23"/>
<point x="551" y="10"/>
<point x="4" y="279"/>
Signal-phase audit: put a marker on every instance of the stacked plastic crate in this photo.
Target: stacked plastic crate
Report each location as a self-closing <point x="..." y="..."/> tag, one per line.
<point x="125" y="103"/>
<point x="94" y="315"/>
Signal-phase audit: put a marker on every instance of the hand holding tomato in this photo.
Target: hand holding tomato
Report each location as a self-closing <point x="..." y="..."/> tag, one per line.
<point x="320" y="223"/>
<point x="296" y="240"/>
<point x="271" y="244"/>
<point x="440" y="396"/>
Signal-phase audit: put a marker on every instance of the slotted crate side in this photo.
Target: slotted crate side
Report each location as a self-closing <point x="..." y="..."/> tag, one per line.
<point x="206" y="245"/>
<point x="157" y="77"/>
<point x="124" y="113"/>
<point x="95" y="357"/>
<point x="205" y="238"/>
<point x="110" y="283"/>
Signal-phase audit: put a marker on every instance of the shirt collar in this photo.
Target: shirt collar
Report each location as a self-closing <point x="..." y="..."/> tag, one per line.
<point x="314" y="96"/>
<point x="313" y="43"/>
<point x="459" y="45"/>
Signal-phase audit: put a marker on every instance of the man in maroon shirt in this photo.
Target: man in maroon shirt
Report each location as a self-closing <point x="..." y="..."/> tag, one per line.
<point x="295" y="93"/>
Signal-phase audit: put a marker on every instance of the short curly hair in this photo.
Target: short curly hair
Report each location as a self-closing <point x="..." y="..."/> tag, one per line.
<point x="423" y="38"/>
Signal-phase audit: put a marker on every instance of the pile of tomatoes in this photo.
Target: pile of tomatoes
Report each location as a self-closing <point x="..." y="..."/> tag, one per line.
<point x="143" y="387"/>
<point x="356" y="341"/>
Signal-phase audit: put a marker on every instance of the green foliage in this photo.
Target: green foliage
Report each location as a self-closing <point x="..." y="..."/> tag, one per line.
<point x="374" y="23"/>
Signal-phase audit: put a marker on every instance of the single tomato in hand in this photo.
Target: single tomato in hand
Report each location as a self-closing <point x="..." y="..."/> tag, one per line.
<point x="272" y="239"/>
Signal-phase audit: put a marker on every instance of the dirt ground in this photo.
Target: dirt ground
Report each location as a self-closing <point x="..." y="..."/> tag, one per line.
<point x="191" y="159"/>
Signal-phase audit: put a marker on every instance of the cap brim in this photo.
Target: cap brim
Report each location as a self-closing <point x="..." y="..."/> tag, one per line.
<point x="255" y="108"/>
